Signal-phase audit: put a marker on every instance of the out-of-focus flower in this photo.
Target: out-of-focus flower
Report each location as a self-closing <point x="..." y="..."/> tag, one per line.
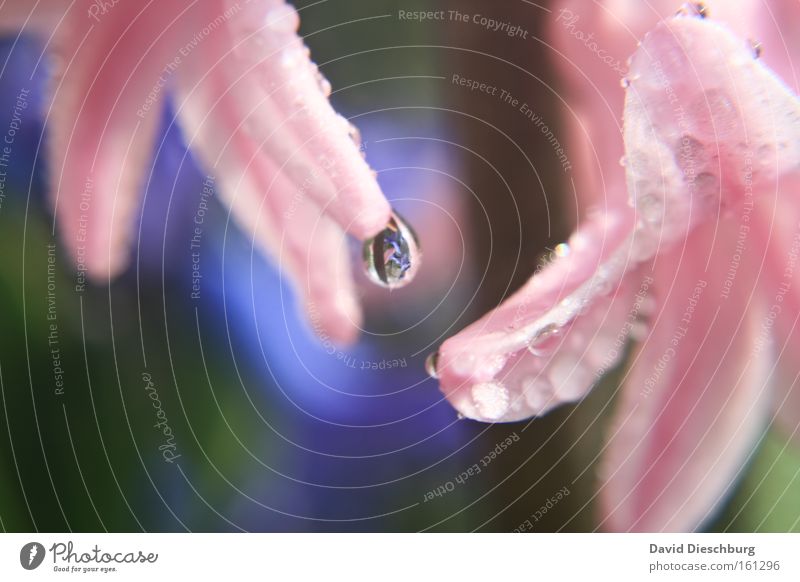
<point x="254" y="109"/>
<point x="692" y="252"/>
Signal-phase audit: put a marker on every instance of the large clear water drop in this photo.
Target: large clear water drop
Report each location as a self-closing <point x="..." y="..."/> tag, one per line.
<point x="392" y="257"/>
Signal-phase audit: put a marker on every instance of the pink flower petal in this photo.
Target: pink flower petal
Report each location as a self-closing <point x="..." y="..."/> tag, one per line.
<point x="716" y="141"/>
<point x="114" y="66"/>
<point x="695" y="399"/>
<point x="740" y="134"/>
<point x="99" y="147"/>
<point x="781" y="45"/>
<point x="690" y="151"/>
<point x="307" y="245"/>
<point x="592" y="42"/>
<point x="282" y="100"/>
<point x="698" y="142"/>
<point x="282" y="216"/>
<point x="776" y="34"/>
<point x="530" y="354"/>
<point x="778" y="333"/>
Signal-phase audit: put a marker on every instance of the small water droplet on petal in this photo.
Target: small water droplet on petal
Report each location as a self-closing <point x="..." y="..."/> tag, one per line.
<point x="706" y="189"/>
<point x="291" y="57"/>
<point x="562" y="250"/>
<point x="757" y="48"/>
<point x="697" y="9"/>
<point x="352" y="131"/>
<point x="650" y="207"/>
<point x="544" y="341"/>
<point x="463" y="364"/>
<point x="624" y="82"/>
<point x="392" y="257"/>
<point x="579" y="241"/>
<point x="431" y="362"/>
<point x="322" y="82"/>
<point x="538" y="393"/>
<point x="491" y="399"/>
<point x="570" y="377"/>
<point x="602" y="280"/>
<point x="490" y="366"/>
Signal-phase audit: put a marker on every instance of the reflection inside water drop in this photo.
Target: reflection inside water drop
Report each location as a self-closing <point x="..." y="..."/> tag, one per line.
<point x="392" y="257"/>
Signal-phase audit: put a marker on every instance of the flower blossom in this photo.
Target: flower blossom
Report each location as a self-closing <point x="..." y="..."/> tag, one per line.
<point x="687" y="250"/>
<point x="253" y="108"/>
